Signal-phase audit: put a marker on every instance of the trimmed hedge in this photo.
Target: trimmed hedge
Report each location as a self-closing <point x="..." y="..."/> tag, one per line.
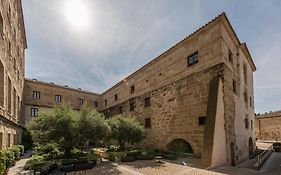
<point x="145" y="157"/>
<point x="17" y="151"/>
<point x="10" y="158"/>
<point x="116" y="156"/>
<point x="134" y="153"/>
<point x="34" y="162"/>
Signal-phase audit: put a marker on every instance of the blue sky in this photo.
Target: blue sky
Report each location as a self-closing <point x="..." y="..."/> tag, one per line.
<point x="123" y="35"/>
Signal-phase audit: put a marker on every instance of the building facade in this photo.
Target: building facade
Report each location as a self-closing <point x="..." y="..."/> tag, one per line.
<point x="268" y="126"/>
<point x="12" y="52"/>
<point x="40" y="96"/>
<point x="198" y="94"/>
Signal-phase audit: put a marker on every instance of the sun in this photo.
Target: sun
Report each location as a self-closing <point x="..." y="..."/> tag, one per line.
<point x="77" y="14"/>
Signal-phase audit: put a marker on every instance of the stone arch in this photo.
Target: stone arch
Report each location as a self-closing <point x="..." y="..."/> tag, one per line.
<point x="188" y="145"/>
<point x="251" y="147"/>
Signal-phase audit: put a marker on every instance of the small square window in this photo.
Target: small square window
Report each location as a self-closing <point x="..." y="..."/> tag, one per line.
<point x="132" y="88"/>
<point x="116" y="97"/>
<point x="105" y="102"/>
<point x="36" y="95"/>
<point x="147" y="123"/>
<point x="202" y="120"/>
<point x="34" y="112"/>
<point x="193" y="59"/>
<point x="147" y="102"/>
<point x="58" y="98"/>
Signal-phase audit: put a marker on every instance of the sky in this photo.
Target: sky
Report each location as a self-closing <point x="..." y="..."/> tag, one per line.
<point x="93" y="44"/>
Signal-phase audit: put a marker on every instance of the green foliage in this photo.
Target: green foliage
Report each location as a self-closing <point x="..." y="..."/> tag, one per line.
<point x="76" y="153"/>
<point x="116" y="156"/>
<point x="33" y="162"/>
<point x="125" y="129"/>
<point x="113" y="148"/>
<point x="49" y="151"/>
<point x="27" y="141"/>
<point x="91" y="126"/>
<point x="21" y="147"/>
<point x="134" y="153"/>
<point x="10" y="158"/>
<point x="16" y="150"/>
<point x="2" y="161"/>
<point x="93" y="157"/>
<point x="69" y="128"/>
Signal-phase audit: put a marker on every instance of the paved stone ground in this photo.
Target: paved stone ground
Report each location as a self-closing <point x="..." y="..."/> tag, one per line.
<point x="18" y="168"/>
<point x="145" y="167"/>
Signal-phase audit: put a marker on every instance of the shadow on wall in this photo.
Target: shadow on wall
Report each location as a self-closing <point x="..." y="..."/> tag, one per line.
<point x="179" y="145"/>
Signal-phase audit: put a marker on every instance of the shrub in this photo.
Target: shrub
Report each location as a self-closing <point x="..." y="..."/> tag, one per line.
<point x="134" y="153"/>
<point x="17" y="151"/>
<point x="92" y="157"/>
<point x="46" y="148"/>
<point x="170" y="156"/>
<point x="116" y="156"/>
<point x="34" y="162"/>
<point x="113" y="148"/>
<point x="10" y="158"/>
<point x="76" y="153"/>
<point x="2" y="161"/>
<point x="21" y="147"/>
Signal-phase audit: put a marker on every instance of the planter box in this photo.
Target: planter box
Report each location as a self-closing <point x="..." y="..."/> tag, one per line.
<point x="128" y="159"/>
<point x="144" y="157"/>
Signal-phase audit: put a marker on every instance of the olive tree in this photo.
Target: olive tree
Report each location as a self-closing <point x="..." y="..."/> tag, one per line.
<point x="125" y="129"/>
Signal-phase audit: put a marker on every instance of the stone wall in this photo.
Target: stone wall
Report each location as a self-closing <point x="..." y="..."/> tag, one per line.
<point x="268" y="126"/>
<point x="47" y="100"/>
<point x="12" y="48"/>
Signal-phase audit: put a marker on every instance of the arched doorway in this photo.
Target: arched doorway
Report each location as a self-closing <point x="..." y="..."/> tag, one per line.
<point x="179" y="145"/>
<point x="251" y="147"/>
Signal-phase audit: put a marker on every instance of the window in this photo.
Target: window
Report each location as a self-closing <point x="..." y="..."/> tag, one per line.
<point x="96" y="104"/>
<point x="9" y="140"/>
<point x="36" y="94"/>
<point x="1" y="26"/>
<point x="58" y="98"/>
<point x="246" y="98"/>
<point x="230" y="56"/>
<point x="120" y="110"/>
<point x="246" y="123"/>
<point x="192" y="59"/>
<point x="234" y="86"/>
<point x="202" y="120"/>
<point x="34" y="112"/>
<point x="116" y="97"/>
<point x="105" y="102"/>
<point x="147" y="123"/>
<point x="250" y="102"/>
<point x="132" y="88"/>
<point x="251" y="124"/>
<point x="147" y="102"/>
<point x="245" y="73"/>
<point x="132" y="106"/>
<point x="80" y="101"/>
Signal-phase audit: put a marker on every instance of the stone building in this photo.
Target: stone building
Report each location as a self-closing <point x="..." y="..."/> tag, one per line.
<point x="268" y="126"/>
<point x="197" y="96"/>
<point x="12" y="51"/>
<point x="40" y="96"/>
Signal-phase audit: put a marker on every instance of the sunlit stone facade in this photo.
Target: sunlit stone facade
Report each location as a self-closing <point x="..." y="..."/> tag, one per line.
<point x="198" y="93"/>
<point x="12" y="51"/>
